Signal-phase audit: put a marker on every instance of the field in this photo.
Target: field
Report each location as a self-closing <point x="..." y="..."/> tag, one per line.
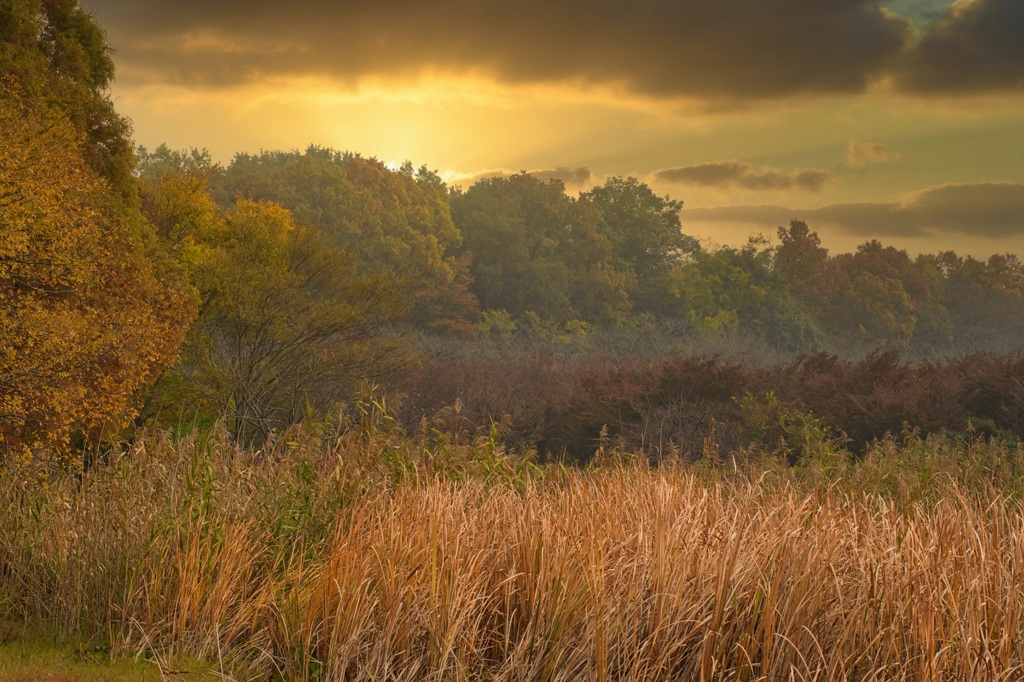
<point x="358" y="551"/>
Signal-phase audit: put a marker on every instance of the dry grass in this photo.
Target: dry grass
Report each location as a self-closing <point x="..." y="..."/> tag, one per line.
<point x="365" y="555"/>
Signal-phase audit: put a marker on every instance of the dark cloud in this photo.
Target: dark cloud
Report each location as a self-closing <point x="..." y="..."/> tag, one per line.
<point x="863" y="154"/>
<point x="976" y="46"/>
<point x="739" y="175"/>
<point x="994" y="210"/>
<point x="574" y="179"/>
<point x="719" y="51"/>
<point x="579" y="177"/>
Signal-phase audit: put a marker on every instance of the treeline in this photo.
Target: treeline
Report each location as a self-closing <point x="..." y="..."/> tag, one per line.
<point x="159" y="286"/>
<point x="516" y="253"/>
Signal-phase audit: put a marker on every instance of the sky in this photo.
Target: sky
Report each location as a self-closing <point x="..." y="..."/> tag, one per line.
<point x="900" y="120"/>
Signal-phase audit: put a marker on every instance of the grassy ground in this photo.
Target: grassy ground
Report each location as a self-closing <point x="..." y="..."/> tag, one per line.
<point x="363" y="553"/>
<point x="28" y="655"/>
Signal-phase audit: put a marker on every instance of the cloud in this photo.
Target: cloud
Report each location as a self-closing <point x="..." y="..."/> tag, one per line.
<point x="740" y="175"/>
<point x="977" y="46"/>
<point x="580" y="176"/>
<point x="863" y="154"/>
<point x="715" y="51"/>
<point x="993" y="210"/>
<point x="575" y="179"/>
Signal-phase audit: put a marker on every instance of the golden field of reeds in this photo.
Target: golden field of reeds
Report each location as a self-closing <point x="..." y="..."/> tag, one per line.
<point x="366" y="554"/>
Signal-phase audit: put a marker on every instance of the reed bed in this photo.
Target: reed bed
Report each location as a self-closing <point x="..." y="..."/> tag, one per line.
<point x="366" y="559"/>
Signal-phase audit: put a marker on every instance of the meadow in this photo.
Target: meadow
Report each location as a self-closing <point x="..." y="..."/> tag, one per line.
<point x="352" y="549"/>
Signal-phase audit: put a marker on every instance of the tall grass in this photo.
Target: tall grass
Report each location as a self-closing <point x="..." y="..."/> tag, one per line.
<point x="361" y="553"/>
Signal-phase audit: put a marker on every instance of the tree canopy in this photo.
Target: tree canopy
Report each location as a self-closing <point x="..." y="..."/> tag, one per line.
<point x="55" y="53"/>
<point x="395" y="223"/>
<point x="85" y="319"/>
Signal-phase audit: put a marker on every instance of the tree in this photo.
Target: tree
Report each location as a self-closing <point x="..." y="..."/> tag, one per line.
<point x="803" y="264"/>
<point x="394" y="223"/>
<point x="85" y="319"/>
<point x="174" y="195"/>
<point x="985" y="299"/>
<point x="881" y="299"/>
<point x="743" y="287"/>
<point x="57" y="54"/>
<point x="875" y="297"/>
<point x="287" y="325"/>
<point x="536" y="250"/>
<point x="514" y="228"/>
<point x="646" y="237"/>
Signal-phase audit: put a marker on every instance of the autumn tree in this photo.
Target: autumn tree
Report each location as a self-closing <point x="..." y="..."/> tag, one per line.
<point x="395" y="223"/>
<point x="287" y="325"/>
<point x="174" y="195"/>
<point x="86" y="319"/>
<point x="55" y="53"/>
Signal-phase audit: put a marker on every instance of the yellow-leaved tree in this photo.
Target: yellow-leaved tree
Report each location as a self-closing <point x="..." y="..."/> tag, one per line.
<point x="287" y="324"/>
<point x="85" y="320"/>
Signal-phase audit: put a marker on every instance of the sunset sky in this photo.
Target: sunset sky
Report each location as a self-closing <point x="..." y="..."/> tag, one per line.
<point x="901" y="121"/>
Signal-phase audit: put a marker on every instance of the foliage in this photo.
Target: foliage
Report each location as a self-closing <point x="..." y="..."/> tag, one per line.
<point x="536" y="250"/>
<point x="560" y="398"/>
<point x="87" y="318"/>
<point x="286" y="324"/>
<point x="874" y="298"/>
<point x="57" y="54"/>
<point x="645" y="235"/>
<point x="394" y="223"/>
<point x="741" y="286"/>
<point x="782" y="429"/>
<point x="173" y="189"/>
<point x="985" y="300"/>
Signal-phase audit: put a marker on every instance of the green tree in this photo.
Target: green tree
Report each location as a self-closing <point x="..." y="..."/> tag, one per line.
<point x="880" y="298"/>
<point x="742" y="287"/>
<point x="803" y="264"/>
<point x="536" y="250"/>
<point x="646" y="237"/>
<point x="515" y="229"/>
<point x="985" y="299"/>
<point x="875" y="297"/>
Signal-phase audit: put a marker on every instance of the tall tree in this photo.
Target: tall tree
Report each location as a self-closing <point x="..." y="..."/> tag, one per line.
<point x="743" y="287"/>
<point x="646" y="237"/>
<point x="394" y="222"/>
<point x="515" y="228"/>
<point x="536" y="250"/>
<point x="56" y="53"/>
<point x="85" y="321"/>
<point x="287" y="325"/>
<point x="985" y="299"/>
<point x="803" y="264"/>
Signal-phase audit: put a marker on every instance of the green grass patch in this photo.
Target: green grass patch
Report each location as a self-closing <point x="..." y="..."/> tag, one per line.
<point x="28" y="655"/>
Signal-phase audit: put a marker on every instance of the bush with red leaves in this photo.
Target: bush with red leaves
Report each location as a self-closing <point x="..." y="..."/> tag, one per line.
<point x="560" y="406"/>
